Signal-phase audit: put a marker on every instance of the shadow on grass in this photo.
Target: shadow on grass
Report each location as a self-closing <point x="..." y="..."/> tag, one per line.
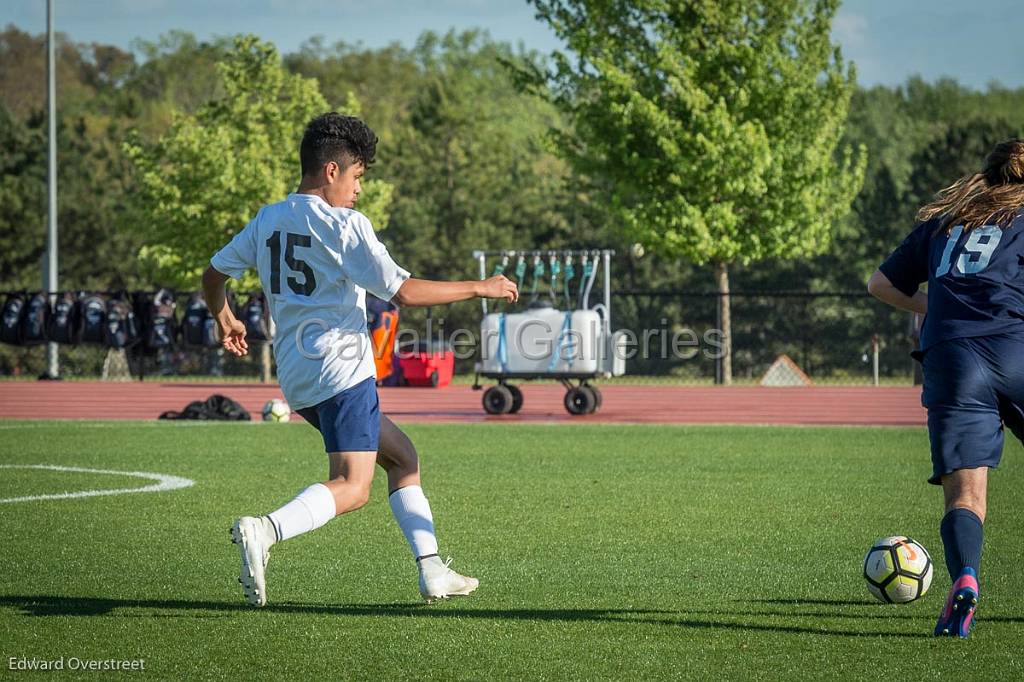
<point x="823" y="602"/>
<point x="52" y="605"/>
<point x="878" y="610"/>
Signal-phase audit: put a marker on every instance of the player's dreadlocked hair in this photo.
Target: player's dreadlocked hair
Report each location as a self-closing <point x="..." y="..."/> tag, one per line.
<point x="993" y="196"/>
<point x="333" y="137"/>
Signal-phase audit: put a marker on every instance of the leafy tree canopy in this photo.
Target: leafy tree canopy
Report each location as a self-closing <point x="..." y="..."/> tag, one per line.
<point x="717" y="124"/>
<point x="209" y="174"/>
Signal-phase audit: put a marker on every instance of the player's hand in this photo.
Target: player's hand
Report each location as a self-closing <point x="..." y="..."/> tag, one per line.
<point x="233" y="338"/>
<point x="499" y="286"/>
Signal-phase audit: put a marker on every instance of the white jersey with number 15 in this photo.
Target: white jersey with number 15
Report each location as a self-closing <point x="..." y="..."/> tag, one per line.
<point x="316" y="263"/>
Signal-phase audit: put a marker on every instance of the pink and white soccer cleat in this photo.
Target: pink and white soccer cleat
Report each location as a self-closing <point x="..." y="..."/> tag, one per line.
<point x="957" y="615"/>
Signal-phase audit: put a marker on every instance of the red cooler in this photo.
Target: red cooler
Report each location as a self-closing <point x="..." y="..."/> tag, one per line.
<point x="427" y="365"/>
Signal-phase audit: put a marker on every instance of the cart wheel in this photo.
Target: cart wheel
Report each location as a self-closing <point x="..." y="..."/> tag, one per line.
<point x="497" y="400"/>
<point x="579" y="400"/>
<point x="435" y="379"/>
<point x="517" y="398"/>
<point x="597" y="396"/>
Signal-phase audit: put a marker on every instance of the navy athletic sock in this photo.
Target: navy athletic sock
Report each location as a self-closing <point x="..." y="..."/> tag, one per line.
<point x="961" y="538"/>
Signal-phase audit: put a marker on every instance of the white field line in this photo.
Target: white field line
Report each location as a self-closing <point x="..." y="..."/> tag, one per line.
<point x="163" y="482"/>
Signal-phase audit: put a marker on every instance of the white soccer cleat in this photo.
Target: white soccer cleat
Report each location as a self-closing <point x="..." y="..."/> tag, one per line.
<point x="253" y="536"/>
<point x="437" y="581"/>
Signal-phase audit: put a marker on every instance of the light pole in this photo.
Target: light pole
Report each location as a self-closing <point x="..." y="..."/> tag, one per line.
<point x="50" y="271"/>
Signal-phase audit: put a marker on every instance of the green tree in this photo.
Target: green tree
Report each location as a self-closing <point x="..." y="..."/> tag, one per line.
<point x="91" y="177"/>
<point x="474" y="169"/>
<point x="206" y="177"/>
<point x="957" y="151"/>
<point x="384" y="80"/>
<point x="22" y="201"/>
<point x="920" y="137"/>
<point x="178" y="75"/>
<point x="716" y="124"/>
<point x="466" y="150"/>
<point x="86" y="73"/>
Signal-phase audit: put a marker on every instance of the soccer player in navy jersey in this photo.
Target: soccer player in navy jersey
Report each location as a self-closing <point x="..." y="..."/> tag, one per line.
<point x="969" y="248"/>
<point x="317" y="257"/>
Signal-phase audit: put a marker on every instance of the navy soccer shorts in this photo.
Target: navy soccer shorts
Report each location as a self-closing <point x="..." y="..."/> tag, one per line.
<point x="350" y="420"/>
<point x="972" y="387"/>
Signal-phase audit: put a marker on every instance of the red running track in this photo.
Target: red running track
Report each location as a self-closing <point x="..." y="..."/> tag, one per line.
<point x="637" y="404"/>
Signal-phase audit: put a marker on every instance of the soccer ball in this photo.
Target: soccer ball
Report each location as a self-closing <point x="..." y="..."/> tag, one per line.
<point x="898" y="570"/>
<point x="276" y="410"/>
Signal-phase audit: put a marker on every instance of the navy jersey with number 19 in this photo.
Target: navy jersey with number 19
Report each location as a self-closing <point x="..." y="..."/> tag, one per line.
<point x="975" y="279"/>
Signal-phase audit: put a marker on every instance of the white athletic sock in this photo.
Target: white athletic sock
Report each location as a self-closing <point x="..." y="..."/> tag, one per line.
<point x="432" y="566"/>
<point x="310" y="509"/>
<point x="412" y="511"/>
<point x="269" y="531"/>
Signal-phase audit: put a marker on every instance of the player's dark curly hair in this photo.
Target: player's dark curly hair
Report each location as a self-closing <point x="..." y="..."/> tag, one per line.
<point x="992" y="196"/>
<point x="333" y="137"/>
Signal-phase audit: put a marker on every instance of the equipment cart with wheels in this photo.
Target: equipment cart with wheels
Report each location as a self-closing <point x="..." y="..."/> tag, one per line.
<point x="571" y="342"/>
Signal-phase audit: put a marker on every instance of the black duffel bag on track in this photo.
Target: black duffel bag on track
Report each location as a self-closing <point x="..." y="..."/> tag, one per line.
<point x="215" y="408"/>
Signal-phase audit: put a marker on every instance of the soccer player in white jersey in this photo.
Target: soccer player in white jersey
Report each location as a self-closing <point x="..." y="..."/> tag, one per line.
<point x="317" y="258"/>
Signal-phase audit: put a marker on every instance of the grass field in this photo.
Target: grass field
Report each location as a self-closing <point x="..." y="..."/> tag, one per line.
<point x="612" y="552"/>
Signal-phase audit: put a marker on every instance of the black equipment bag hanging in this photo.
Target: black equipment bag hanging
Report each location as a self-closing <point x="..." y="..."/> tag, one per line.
<point x="36" y="320"/>
<point x="256" y="318"/>
<point x="198" y="328"/>
<point x="161" y="326"/>
<point x="93" y="308"/>
<point x="121" y="330"/>
<point x="11" y="319"/>
<point x="65" y="323"/>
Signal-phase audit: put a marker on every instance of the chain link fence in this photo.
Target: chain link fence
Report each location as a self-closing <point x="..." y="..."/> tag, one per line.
<point x="834" y="337"/>
<point x="89" y="361"/>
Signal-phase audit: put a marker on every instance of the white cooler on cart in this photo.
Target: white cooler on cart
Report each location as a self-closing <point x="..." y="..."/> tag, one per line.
<point x="543" y="342"/>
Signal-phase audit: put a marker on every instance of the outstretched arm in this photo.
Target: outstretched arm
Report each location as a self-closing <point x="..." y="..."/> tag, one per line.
<point x="883" y="289"/>
<point x="232" y="332"/>
<point x="423" y="292"/>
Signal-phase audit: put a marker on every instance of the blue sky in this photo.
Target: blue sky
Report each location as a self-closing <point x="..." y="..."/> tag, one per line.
<point x="889" y="40"/>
